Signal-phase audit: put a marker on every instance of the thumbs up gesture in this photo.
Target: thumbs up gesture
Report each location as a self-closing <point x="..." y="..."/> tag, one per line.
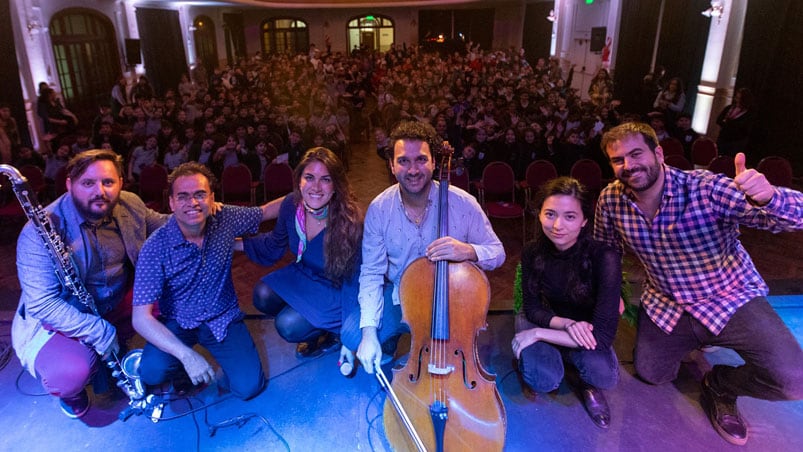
<point x="752" y="183"/>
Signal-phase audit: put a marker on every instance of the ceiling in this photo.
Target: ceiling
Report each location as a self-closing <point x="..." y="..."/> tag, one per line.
<point x="309" y="4"/>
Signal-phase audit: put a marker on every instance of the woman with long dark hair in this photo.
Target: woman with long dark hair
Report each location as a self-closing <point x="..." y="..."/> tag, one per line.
<point x="571" y="290"/>
<point x="321" y="224"/>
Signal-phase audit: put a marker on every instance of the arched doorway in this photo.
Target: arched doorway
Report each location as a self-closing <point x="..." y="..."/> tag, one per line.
<point x="285" y="35"/>
<point x="205" y="43"/>
<point x="87" y="60"/>
<point x="371" y="32"/>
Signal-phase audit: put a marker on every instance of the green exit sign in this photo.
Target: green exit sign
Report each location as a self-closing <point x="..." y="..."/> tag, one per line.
<point x="589" y="2"/>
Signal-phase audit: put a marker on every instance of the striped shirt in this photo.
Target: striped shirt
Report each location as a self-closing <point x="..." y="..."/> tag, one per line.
<point x="691" y="251"/>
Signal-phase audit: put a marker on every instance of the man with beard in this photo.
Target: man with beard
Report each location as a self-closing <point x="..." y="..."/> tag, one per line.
<point x="57" y="338"/>
<point x="702" y="287"/>
<point x="401" y="225"/>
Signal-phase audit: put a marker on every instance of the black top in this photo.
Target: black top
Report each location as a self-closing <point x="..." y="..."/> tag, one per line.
<point x="600" y="304"/>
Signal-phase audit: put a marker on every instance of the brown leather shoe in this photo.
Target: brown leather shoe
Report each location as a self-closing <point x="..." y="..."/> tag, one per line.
<point x="597" y="406"/>
<point x="723" y="414"/>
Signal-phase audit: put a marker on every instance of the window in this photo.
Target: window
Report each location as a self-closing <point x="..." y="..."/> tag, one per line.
<point x="87" y="60"/>
<point x="285" y="35"/>
<point x="205" y="43"/>
<point x="371" y="32"/>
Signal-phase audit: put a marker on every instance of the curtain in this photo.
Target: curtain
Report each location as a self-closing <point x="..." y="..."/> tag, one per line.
<point x="162" y="48"/>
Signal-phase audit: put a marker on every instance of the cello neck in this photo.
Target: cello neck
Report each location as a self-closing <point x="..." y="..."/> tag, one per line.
<point x="440" y="299"/>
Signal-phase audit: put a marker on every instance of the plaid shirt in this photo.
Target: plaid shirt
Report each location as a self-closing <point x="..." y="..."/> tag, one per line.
<point x="691" y="250"/>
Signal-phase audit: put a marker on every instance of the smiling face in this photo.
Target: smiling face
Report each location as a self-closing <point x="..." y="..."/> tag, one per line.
<point x="412" y="165"/>
<point x="634" y="164"/>
<point x="190" y="199"/>
<point x="316" y="185"/>
<point x="562" y="219"/>
<point x="96" y="191"/>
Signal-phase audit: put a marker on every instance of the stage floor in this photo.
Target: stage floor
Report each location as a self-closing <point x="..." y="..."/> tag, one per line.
<point x="311" y="407"/>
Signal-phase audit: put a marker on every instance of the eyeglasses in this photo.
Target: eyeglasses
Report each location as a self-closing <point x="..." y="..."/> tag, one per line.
<point x="186" y="198"/>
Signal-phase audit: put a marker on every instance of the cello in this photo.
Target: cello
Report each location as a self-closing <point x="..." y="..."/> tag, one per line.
<point x="452" y="401"/>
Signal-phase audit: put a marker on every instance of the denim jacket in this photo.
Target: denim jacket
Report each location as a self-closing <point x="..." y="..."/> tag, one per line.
<point x="45" y="305"/>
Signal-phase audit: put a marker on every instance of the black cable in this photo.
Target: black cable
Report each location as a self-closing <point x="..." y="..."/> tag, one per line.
<point x="5" y="354"/>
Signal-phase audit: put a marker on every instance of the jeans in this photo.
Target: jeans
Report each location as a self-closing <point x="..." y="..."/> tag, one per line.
<point x="773" y="368"/>
<point x="542" y="364"/>
<point x="236" y="354"/>
<point x="351" y="334"/>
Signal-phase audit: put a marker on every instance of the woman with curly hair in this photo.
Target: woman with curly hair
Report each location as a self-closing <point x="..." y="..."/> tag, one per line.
<point x="571" y="287"/>
<point x="321" y="224"/>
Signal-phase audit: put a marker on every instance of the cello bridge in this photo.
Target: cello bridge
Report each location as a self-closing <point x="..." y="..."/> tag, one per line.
<point x="437" y="370"/>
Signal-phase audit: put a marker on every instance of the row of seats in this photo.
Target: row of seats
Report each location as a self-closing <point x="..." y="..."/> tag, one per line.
<point x="496" y="190"/>
<point x="236" y="185"/>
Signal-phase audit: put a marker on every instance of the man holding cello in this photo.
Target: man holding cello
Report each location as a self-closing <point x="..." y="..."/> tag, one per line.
<point x="400" y="226"/>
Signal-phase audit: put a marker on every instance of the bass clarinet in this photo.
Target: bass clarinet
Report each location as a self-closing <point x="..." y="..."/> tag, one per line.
<point x="127" y="377"/>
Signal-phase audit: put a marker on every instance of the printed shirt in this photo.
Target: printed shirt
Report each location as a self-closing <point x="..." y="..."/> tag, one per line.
<point x="691" y="251"/>
<point x="193" y="285"/>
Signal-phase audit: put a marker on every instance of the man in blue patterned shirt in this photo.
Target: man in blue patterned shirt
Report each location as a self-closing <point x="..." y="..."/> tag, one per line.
<point x="701" y="286"/>
<point x="185" y="268"/>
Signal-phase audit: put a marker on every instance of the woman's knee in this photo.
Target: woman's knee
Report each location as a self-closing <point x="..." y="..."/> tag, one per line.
<point x="541" y="367"/>
<point x="599" y="368"/>
<point x="293" y="327"/>
<point x="266" y="300"/>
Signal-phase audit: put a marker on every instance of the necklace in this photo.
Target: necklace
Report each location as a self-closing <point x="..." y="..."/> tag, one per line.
<point x="416" y="219"/>
<point x="318" y="214"/>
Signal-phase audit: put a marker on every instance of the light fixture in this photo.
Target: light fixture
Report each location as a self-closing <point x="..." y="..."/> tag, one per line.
<point x="552" y="17"/>
<point x="33" y="27"/>
<point x="717" y="9"/>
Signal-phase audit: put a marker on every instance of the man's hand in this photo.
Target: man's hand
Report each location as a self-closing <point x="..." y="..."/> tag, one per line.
<point x="752" y="183"/>
<point x="449" y="249"/>
<point x="370" y="350"/>
<point x="113" y="349"/>
<point x="197" y="368"/>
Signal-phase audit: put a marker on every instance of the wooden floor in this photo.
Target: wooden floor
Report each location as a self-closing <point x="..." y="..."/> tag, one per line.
<point x="778" y="257"/>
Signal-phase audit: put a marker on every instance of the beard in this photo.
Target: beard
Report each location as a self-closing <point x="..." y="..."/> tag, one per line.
<point x="95" y="209"/>
<point x="647" y="177"/>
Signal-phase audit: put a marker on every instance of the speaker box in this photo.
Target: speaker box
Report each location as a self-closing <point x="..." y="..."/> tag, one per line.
<point x="598" y="35"/>
<point x="133" y="54"/>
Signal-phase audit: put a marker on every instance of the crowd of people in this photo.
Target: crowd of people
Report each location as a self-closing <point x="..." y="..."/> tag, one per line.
<point x="343" y="285"/>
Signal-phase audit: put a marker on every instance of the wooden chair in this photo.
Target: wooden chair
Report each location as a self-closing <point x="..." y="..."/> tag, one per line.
<point x="237" y="185"/>
<point x="499" y="184"/>
<point x="672" y="146"/>
<point x="153" y="187"/>
<point x="723" y="164"/>
<point x="679" y="162"/>
<point x="459" y="179"/>
<point x="703" y="150"/>
<point x="589" y="173"/>
<point x="277" y="180"/>
<point x="538" y="173"/>
<point x="36" y="180"/>
<point x="777" y="169"/>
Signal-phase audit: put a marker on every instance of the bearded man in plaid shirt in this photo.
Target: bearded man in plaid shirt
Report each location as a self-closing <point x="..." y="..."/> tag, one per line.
<point x="701" y="286"/>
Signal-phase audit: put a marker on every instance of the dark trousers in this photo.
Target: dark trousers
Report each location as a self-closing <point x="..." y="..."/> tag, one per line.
<point x="542" y="364"/>
<point x="773" y="368"/>
<point x="236" y="354"/>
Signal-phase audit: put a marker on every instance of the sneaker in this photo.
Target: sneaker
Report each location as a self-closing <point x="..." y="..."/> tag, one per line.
<point x="75" y="407"/>
<point x="723" y="414"/>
